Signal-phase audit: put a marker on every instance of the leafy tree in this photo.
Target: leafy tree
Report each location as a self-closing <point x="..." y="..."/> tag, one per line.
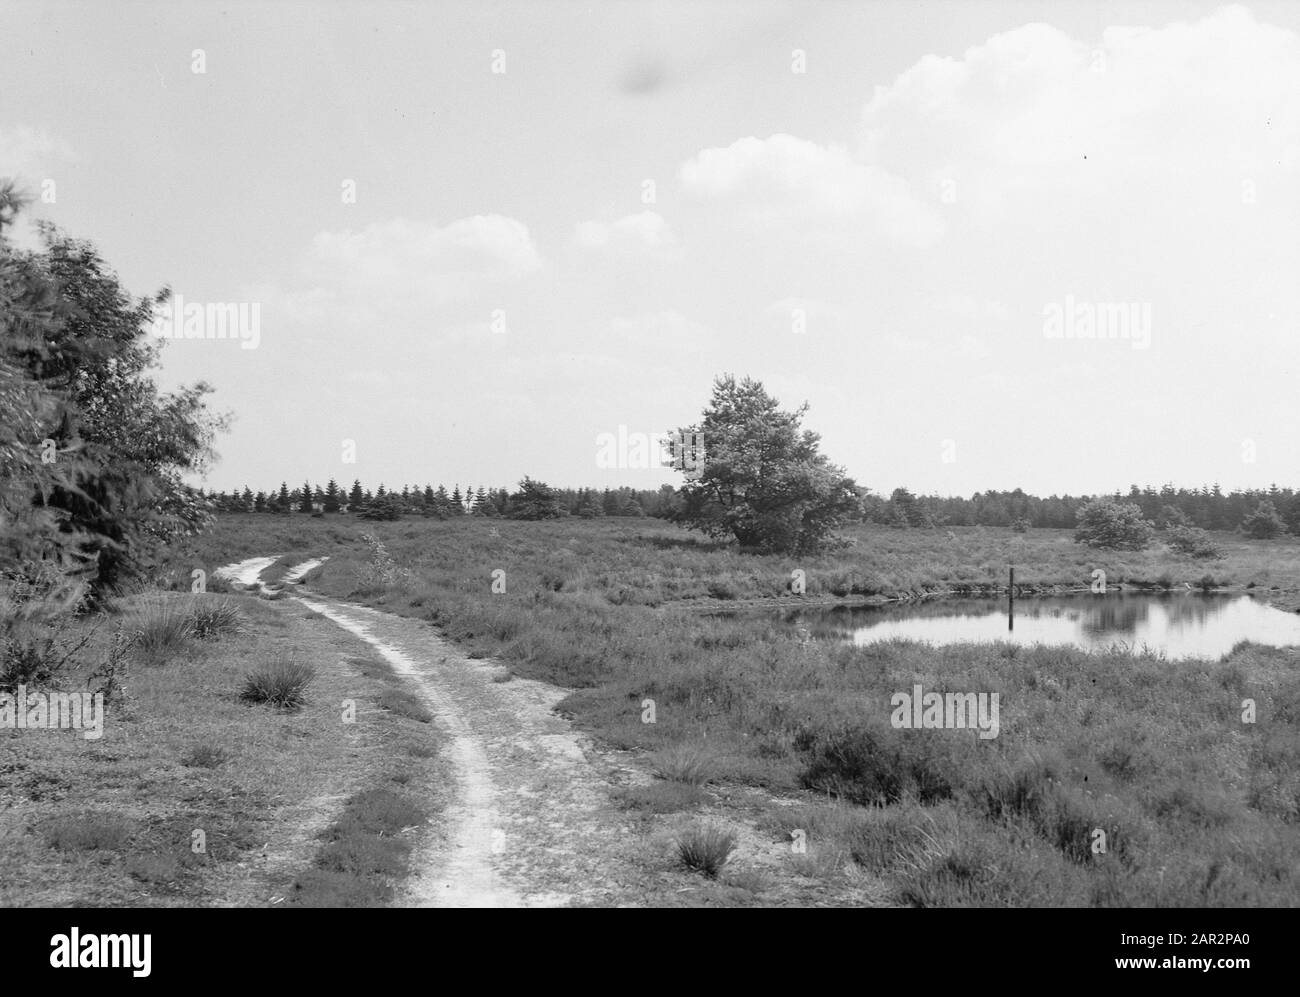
<point x="534" y="500"/>
<point x="1263" y="523"/>
<point x="1171" y="517"/>
<point x="762" y="479"/>
<point x="1111" y="524"/>
<point x="76" y="360"/>
<point x="1193" y="541"/>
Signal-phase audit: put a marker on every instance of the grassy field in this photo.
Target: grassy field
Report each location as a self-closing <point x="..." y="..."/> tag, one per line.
<point x="1146" y="758"/>
<point x="217" y="780"/>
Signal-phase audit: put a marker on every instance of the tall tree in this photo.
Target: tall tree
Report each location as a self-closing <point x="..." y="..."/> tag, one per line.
<point x="77" y="359"/>
<point x="755" y="475"/>
<point x="305" y="503"/>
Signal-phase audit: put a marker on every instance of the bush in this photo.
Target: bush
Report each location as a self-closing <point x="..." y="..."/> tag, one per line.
<point x="1194" y="542"/>
<point x="1263" y="523"/>
<point x="706" y="849"/>
<point x="283" y="684"/>
<point x="1021" y="525"/>
<point x="1111" y="525"/>
<point x="381" y="571"/>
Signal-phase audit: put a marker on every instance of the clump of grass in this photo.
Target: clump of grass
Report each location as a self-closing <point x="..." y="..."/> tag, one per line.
<point x="210" y="620"/>
<point x="88" y="832"/>
<point x="161" y="627"/>
<point x="205" y="756"/>
<point x="404" y="704"/>
<point x="282" y="684"/>
<point x="705" y="849"/>
<point x="687" y="763"/>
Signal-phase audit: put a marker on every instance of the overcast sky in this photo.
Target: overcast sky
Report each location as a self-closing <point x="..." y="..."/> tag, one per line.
<point x="570" y="217"/>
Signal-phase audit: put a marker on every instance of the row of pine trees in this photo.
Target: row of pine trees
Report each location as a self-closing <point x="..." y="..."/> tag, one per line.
<point x="438" y="502"/>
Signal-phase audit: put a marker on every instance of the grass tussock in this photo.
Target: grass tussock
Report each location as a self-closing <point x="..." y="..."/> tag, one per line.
<point x="705" y="849"/>
<point x="282" y="684"/>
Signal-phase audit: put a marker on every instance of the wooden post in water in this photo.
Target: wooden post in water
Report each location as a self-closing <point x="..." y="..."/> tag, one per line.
<point x="1011" y="600"/>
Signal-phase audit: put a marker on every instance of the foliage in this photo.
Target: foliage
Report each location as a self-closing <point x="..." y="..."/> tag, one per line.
<point x="1112" y="525"/>
<point x="1193" y="541"/>
<point x="534" y="500"/>
<point x="78" y="399"/>
<point x="385" y="508"/>
<point x="762" y="479"/>
<point x="1263" y="523"/>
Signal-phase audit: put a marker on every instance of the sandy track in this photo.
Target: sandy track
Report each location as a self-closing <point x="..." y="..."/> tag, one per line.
<point x="246" y="572"/>
<point x="529" y="823"/>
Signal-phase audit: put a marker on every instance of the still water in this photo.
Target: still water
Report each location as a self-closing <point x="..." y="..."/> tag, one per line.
<point x="1180" y="626"/>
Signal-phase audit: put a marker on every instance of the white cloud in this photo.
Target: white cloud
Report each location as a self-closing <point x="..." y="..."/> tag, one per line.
<point x="646" y="230"/>
<point x="1035" y="112"/>
<point x="788" y="182"/>
<point x="422" y="259"/>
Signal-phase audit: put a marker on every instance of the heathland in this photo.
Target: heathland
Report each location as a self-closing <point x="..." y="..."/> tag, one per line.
<point x="1116" y="778"/>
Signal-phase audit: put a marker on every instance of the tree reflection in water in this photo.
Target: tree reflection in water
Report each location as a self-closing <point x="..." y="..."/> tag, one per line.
<point x="1181" y="626"/>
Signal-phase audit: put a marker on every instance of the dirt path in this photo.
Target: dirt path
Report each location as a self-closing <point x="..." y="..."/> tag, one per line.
<point x="530" y="823"/>
<point x="246" y="572"/>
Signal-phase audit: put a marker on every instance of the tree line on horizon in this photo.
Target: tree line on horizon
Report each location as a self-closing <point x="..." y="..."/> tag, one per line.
<point x="533" y="500"/>
<point x="1208" y="507"/>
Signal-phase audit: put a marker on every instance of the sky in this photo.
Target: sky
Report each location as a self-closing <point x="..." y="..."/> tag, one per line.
<point x="485" y="240"/>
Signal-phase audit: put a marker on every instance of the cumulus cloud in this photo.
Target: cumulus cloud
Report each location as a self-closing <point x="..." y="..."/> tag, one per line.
<point x="646" y="230"/>
<point x="1034" y="110"/>
<point x="404" y="270"/>
<point x="788" y="182"/>
<point x="422" y="258"/>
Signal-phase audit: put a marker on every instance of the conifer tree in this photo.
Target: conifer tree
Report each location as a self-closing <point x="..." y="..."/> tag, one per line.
<point x="305" y="501"/>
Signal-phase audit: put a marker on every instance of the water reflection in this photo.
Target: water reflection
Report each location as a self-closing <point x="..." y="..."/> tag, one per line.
<point x="1182" y="626"/>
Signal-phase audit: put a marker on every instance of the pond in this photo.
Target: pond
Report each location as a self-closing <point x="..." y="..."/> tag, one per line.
<point x="1180" y="626"/>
